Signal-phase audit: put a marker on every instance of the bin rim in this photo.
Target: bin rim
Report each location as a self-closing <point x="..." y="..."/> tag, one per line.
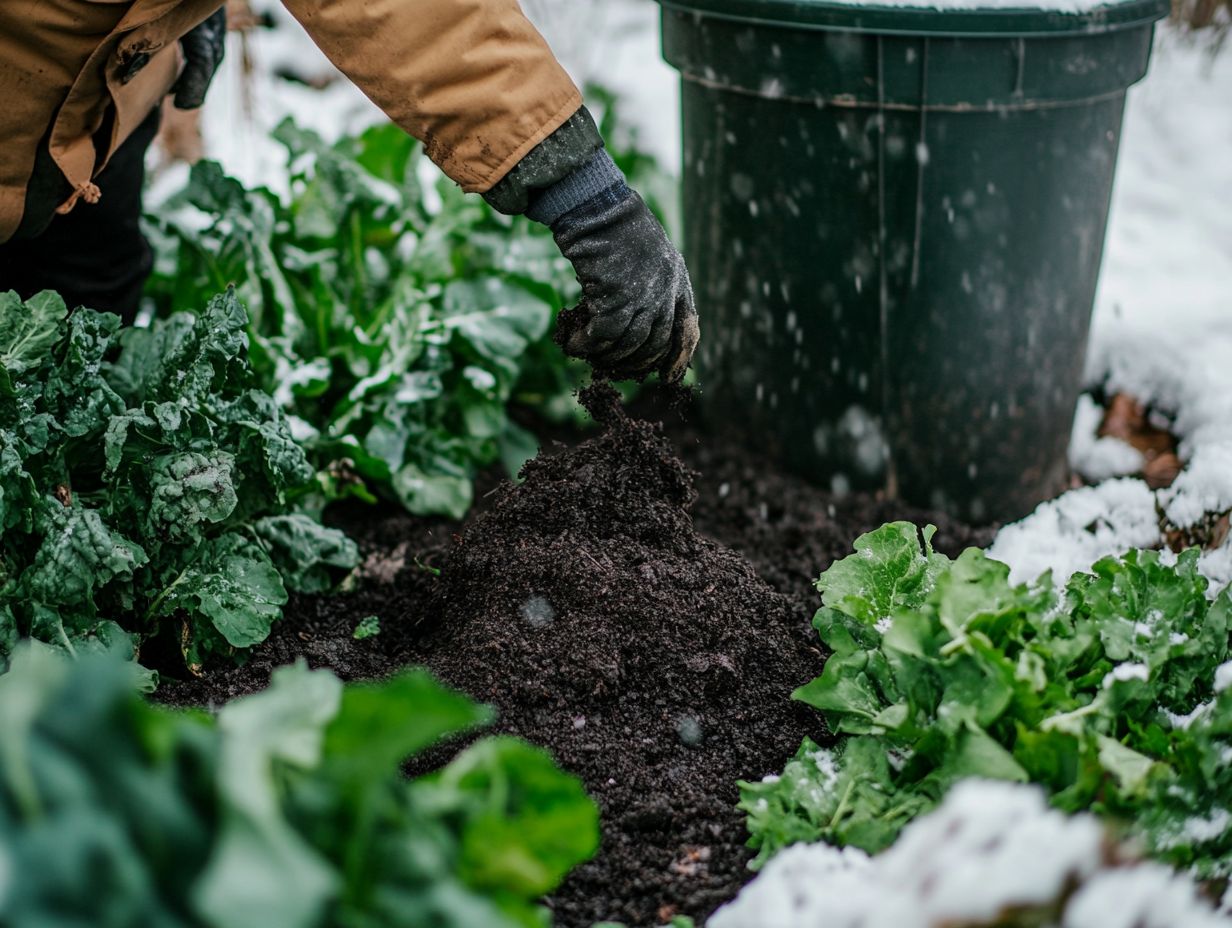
<point x="890" y="19"/>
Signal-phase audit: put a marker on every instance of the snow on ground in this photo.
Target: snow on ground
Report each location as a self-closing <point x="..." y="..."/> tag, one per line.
<point x="1162" y="329"/>
<point x="989" y="848"/>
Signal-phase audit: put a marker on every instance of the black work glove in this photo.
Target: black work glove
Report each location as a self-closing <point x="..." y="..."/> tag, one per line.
<point x="203" y="49"/>
<point x="636" y="315"/>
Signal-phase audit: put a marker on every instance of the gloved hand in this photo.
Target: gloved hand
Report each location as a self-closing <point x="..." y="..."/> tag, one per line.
<point x="203" y="49"/>
<point x="636" y="315"/>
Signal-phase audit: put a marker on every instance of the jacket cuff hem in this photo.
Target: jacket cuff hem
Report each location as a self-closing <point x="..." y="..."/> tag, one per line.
<point x="564" y="150"/>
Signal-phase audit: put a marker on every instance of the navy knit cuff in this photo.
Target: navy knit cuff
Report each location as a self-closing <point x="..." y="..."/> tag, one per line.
<point x="597" y="176"/>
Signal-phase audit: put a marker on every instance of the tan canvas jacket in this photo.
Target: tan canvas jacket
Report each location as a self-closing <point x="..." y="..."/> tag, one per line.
<point x="472" y="79"/>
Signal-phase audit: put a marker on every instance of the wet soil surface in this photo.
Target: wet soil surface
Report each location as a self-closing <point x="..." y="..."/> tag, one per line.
<point x="640" y="605"/>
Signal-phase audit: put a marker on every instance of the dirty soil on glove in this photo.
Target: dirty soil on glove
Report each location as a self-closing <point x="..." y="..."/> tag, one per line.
<point x="643" y="617"/>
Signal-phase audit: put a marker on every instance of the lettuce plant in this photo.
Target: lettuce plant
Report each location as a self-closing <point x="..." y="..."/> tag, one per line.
<point x="288" y="810"/>
<point x="1114" y="694"/>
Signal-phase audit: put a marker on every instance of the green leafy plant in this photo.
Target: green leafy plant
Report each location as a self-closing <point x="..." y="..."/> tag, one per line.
<point x="145" y="486"/>
<point x="393" y="320"/>
<point x="1115" y="695"/>
<point x="288" y="810"/>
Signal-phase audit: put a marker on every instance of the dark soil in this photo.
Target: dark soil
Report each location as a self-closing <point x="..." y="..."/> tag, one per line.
<point x="653" y="663"/>
<point x="643" y="621"/>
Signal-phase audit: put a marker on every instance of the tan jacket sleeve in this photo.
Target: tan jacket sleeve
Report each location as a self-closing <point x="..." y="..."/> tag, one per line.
<point x="472" y="79"/>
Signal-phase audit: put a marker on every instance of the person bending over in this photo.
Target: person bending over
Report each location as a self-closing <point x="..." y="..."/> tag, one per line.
<point x="473" y="80"/>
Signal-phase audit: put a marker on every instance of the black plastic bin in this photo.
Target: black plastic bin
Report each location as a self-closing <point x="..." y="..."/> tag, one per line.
<point x="894" y="218"/>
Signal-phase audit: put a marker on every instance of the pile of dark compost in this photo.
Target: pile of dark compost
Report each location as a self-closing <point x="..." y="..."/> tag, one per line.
<point x="653" y="662"/>
<point x="643" y="620"/>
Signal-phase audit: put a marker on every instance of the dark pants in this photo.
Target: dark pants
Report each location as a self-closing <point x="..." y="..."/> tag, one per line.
<point x="95" y="255"/>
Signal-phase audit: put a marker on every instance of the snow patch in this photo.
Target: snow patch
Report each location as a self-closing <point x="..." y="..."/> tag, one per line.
<point x="991" y="847"/>
<point x="1098" y="458"/>
<point x="1223" y="677"/>
<point x="1146" y="896"/>
<point x="1124" y="672"/>
<point x="1162" y="330"/>
<point x="1073" y="531"/>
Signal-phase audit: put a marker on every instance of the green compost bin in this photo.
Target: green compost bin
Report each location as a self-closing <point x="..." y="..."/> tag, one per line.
<point x="894" y="219"/>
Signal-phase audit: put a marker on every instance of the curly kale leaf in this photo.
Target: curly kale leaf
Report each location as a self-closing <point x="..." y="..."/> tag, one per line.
<point x="145" y="486"/>
<point x="188" y="490"/>
<point x="187" y="359"/>
<point x="308" y="555"/>
<point x="18" y="492"/>
<point x="78" y="554"/>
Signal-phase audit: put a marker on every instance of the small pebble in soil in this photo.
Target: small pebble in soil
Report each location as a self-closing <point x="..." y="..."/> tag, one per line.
<point x="689" y="731"/>
<point x="538" y="612"/>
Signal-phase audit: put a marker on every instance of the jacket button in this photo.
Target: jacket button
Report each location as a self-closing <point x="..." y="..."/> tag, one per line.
<point x="131" y="63"/>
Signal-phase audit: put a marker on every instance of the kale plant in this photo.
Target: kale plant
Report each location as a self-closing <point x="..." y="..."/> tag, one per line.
<point x="145" y="485"/>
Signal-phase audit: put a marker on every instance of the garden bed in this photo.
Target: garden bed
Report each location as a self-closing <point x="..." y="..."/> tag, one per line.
<point x="643" y="617"/>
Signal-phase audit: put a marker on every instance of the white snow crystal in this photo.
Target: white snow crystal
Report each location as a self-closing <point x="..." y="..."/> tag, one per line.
<point x="989" y="845"/>
<point x="1148" y="895"/>
<point x="1073" y="531"/>
<point x="1184" y="721"/>
<point x="1201" y="830"/>
<point x="1223" y="677"/>
<point x="1125" y="672"/>
<point x="1098" y="458"/>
